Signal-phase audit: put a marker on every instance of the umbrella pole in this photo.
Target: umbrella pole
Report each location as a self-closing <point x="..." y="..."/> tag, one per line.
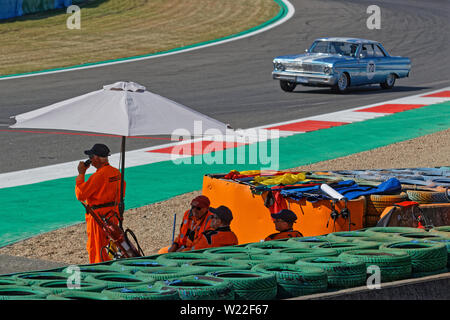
<point x="122" y="179"/>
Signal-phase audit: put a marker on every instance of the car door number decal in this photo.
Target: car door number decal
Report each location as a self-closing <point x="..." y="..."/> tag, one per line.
<point x="370" y="69"/>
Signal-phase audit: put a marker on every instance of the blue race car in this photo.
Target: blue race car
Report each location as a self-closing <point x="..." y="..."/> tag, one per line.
<point x="340" y="63"/>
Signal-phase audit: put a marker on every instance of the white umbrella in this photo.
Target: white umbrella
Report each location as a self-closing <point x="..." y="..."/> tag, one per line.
<point x="123" y="108"/>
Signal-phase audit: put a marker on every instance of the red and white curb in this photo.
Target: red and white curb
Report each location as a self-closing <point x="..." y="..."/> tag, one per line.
<point x="200" y="146"/>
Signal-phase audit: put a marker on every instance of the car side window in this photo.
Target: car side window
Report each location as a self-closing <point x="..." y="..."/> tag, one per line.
<point x="378" y="52"/>
<point x="367" y="51"/>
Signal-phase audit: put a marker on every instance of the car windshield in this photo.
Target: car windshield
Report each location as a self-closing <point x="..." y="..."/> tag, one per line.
<point x="334" y="47"/>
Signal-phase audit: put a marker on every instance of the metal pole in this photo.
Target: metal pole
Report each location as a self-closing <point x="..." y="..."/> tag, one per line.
<point x="122" y="183"/>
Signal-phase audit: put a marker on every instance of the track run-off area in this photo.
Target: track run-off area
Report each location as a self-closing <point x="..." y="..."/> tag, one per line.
<point x="311" y="125"/>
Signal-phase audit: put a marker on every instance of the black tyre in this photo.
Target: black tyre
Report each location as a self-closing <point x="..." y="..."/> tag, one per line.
<point x="342" y="272"/>
<point x="389" y="82"/>
<point x="141" y="293"/>
<point x="294" y="280"/>
<point x="250" y="285"/>
<point x="287" y="86"/>
<point x="342" y="84"/>
<point x="394" y="265"/>
<point x="199" y="288"/>
<point x="425" y="256"/>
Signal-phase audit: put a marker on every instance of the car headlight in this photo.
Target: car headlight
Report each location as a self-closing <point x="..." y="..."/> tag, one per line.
<point x="278" y="66"/>
<point x="327" y="70"/>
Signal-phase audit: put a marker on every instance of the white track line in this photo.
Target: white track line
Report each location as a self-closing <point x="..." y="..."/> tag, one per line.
<point x="143" y="156"/>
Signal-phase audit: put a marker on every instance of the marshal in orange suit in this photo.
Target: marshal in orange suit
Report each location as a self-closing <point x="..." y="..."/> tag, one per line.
<point x="101" y="192"/>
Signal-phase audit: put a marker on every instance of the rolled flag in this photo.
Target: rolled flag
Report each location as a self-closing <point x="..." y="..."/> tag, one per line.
<point x="331" y="192"/>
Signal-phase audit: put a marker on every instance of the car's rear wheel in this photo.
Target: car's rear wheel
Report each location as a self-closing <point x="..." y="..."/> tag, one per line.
<point x="342" y="83"/>
<point x="389" y="82"/>
<point x="287" y="86"/>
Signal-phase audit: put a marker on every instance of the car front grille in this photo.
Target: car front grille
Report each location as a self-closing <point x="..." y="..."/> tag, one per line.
<point x="305" y="67"/>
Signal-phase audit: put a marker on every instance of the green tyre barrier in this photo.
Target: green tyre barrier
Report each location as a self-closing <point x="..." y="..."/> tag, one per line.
<point x="249" y="285"/>
<point x="59" y="286"/>
<point x="264" y="258"/>
<point x="351" y="235"/>
<point x="294" y="280"/>
<point x="79" y="295"/>
<point x="270" y="246"/>
<point x="341" y="272"/>
<point x="445" y="241"/>
<point x="316" y="240"/>
<point x="87" y="270"/>
<point x="181" y="257"/>
<point x="33" y="278"/>
<point x="199" y="288"/>
<point x="299" y="253"/>
<point x="442" y="230"/>
<point x="118" y="280"/>
<point x="394" y="265"/>
<point x="141" y="293"/>
<point x="19" y="292"/>
<point x="7" y="282"/>
<point x="422" y="236"/>
<point x="393" y="230"/>
<point x="347" y="246"/>
<point x="426" y="256"/>
<point x="218" y="265"/>
<point x="135" y="265"/>
<point x="382" y="239"/>
<point x="232" y="252"/>
<point x="426" y="274"/>
<point x="167" y="273"/>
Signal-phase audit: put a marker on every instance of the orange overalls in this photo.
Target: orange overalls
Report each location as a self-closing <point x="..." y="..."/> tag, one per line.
<point x="102" y="188"/>
<point x="222" y="236"/>
<point x="195" y="229"/>
<point x="283" y="235"/>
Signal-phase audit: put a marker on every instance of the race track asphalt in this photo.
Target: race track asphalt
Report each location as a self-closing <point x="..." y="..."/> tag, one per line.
<point x="232" y="82"/>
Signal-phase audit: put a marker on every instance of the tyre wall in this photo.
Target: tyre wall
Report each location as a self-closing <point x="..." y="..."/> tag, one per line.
<point x="17" y="8"/>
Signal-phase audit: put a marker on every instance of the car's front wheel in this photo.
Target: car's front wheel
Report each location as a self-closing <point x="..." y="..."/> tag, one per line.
<point x="287" y="86"/>
<point x="342" y="83"/>
<point x="389" y="82"/>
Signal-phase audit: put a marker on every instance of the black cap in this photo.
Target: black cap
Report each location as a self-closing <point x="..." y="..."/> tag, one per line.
<point x="285" y="215"/>
<point x="223" y="213"/>
<point x="98" y="149"/>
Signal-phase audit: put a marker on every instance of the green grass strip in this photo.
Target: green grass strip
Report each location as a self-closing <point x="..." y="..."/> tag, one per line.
<point x="33" y="209"/>
<point x="281" y="14"/>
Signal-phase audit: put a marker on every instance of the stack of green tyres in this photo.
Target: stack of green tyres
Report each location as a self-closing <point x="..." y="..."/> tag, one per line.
<point x="268" y="270"/>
